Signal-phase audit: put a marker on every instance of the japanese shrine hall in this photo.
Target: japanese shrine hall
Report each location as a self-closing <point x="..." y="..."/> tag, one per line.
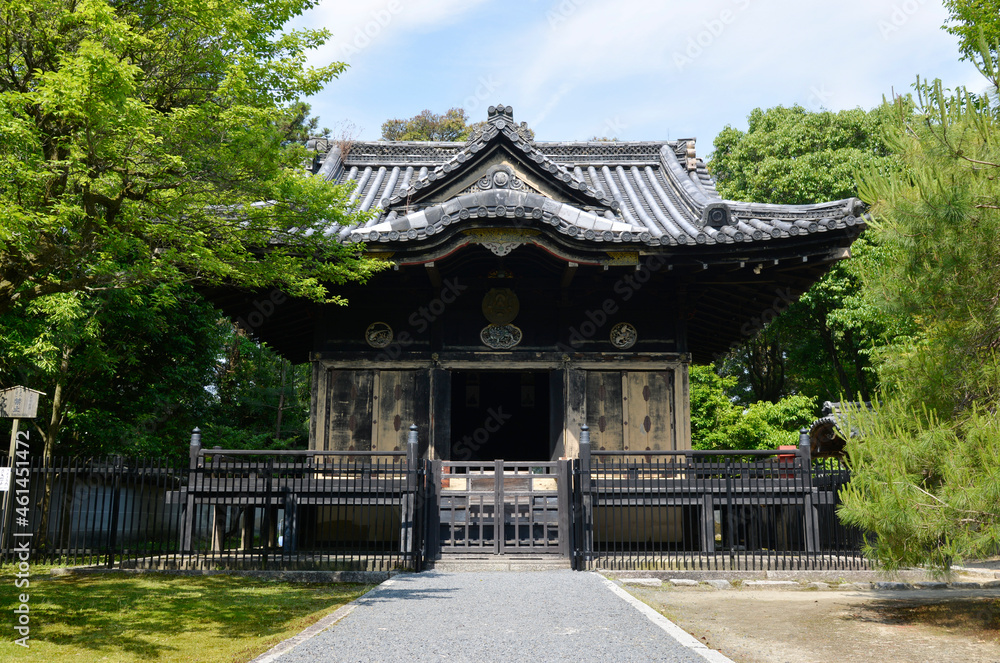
<point x="535" y="287"/>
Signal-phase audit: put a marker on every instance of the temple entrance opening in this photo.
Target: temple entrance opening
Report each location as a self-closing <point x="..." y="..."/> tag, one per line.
<point x="501" y="415"/>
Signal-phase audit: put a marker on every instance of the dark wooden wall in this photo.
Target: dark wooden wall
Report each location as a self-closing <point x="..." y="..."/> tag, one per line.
<point x="440" y="308"/>
<point x="632" y="398"/>
<point x="630" y="404"/>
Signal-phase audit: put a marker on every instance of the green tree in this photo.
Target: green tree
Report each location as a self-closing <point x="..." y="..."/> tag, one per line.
<point x="124" y="370"/>
<point x="717" y="422"/>
<point x="450" y="126"/>
<point x="132" y="372"/>
<point x="300" y="126"/>
<point x="144" y="142"/>
<point x="925" y="479"/>
<point x="926" y="488"/>
<point x="259" y="400"/>
<point x="971" y="21"/>
<point x="794" y="156"/>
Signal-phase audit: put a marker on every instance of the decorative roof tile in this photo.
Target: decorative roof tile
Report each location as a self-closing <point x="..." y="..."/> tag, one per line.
<point x="654" y="192"/>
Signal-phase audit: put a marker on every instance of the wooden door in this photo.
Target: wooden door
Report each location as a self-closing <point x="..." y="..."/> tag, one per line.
<point x="632" y="410"/>
<point x="368" y="409"/>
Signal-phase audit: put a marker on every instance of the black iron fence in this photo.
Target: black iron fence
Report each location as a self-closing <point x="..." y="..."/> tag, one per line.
<point x="363" y="510"/>
<point x="224" y="509"/>
<point x="710" y="510"/>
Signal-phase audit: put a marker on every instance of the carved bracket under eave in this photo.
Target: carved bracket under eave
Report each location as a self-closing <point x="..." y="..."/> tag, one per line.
<point x="501" y="241"/>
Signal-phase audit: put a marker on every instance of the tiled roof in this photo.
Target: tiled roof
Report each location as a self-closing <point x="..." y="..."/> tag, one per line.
<point x="655" y="192"/>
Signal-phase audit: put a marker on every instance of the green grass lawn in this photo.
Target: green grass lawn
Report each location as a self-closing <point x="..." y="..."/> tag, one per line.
<point x="158" y="617"/>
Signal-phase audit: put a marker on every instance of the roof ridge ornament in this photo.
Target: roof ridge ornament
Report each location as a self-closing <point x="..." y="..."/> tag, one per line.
<point x="499" y="119"/>
<point x="500" y="122"/>
<point x="501" y="113"/>
<point x="692" y="156"/>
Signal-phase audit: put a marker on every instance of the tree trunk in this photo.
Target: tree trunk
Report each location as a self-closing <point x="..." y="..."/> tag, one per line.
<point x="859" y="371"/>
<point x="51" y="435"/>
<point x="766" y="366"/>
<point x="281" y="402"/>
<point x="831" y="349"/>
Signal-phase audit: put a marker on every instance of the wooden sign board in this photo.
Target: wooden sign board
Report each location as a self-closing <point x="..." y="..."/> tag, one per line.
<point x="19" y="402"/>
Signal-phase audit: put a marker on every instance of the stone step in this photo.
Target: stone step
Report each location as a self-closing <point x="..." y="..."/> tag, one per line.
<point x="463" y="563"/>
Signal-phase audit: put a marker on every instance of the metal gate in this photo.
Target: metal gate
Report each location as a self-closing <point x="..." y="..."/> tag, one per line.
<point x="502" y="507"/>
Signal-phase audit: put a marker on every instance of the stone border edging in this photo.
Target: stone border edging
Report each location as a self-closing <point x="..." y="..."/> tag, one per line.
<point x="684" y="638"/>
<point x="354" y="577"/>
<point x="291" y="643"/>
<point x="882" y="585"/>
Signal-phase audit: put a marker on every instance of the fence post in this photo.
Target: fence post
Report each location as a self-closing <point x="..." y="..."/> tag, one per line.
<point x="116" y="485"/>
<point x="269" y="527"/>
<point x="585" y="526"/>
<point x="187" y="523"/>
<point x="809" y="505"/>
<point x="418" y="482"/>
<point x="289" y="529"/>
<point x="564" y="483"/>
<point x="407" y="520"/>
<point x="805" y="446"/>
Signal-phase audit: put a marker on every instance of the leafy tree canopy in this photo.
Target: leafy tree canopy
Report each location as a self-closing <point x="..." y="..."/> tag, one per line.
<point x="143" y="142"/>
<point x="972" y="21"/>
<point x="925" y="475"/>
<point x="719" y="423"/>
<point x="123" y="370"/>
<point x="926" y="488"/>
<point x="450" y="126"/>
<point x="133" y="371"/>
<point x="794" y="156"/>
<point x="820" y="345"/>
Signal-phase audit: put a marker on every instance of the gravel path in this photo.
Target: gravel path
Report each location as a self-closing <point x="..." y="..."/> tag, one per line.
<point x="495" y="616"/>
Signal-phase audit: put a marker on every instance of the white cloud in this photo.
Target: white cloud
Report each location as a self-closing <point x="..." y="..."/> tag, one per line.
<point x="360" y="25"/>
<point x="722" y="55"/>
<point x="632" y="69"/>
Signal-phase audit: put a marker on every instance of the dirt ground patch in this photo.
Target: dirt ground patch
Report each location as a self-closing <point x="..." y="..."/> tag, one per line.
<point x="801" y="626"/>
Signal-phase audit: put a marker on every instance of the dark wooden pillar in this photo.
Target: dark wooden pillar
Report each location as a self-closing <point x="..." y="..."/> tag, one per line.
<point x="439" y="444"/>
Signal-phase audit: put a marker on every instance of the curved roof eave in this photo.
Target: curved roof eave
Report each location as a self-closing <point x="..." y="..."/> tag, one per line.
<point x="657" y="193"/>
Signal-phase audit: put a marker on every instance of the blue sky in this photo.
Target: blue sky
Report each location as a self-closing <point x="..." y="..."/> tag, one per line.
<point x="630" y="69"/>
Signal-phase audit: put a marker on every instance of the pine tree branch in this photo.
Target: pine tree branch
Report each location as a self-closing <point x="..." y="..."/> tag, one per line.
<point x="985" y="514"/>
<point x="983" y="163"/>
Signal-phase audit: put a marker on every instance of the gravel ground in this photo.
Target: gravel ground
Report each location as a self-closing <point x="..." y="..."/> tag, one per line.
<point x="493" y="616"/>
<point x="763" y="625"/>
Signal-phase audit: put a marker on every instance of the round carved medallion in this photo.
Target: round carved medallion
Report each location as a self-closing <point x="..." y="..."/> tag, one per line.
<point x="500" y="337"/>
<point x="623" y="336"/>
<point x="378" y="335"/>
<point x="500" y="306"/>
